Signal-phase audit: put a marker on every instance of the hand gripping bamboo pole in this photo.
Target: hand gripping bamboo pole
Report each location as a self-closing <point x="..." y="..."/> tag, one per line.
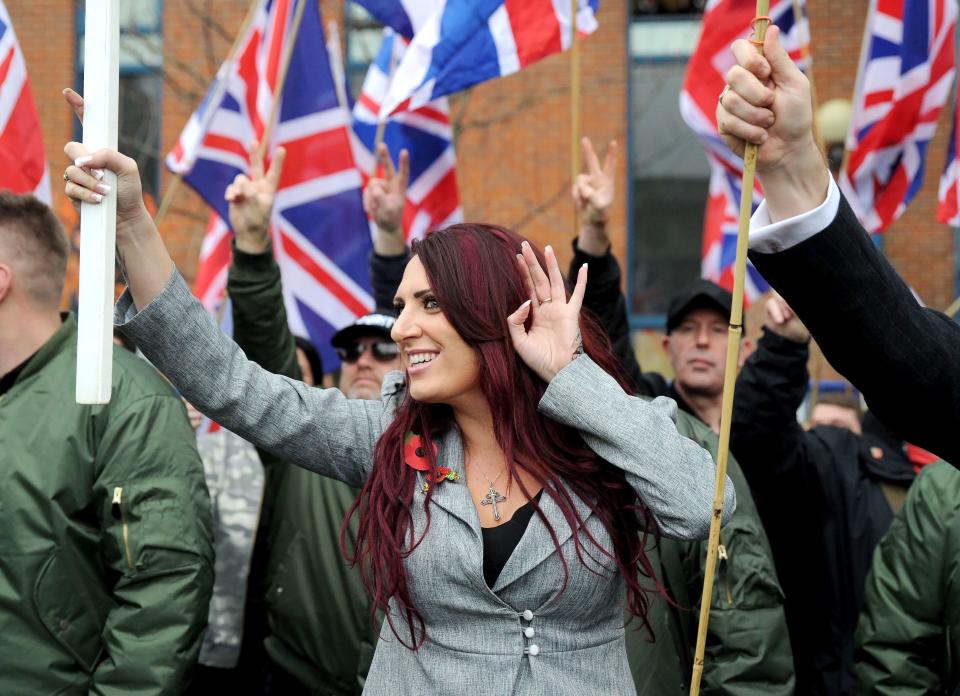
<point x="574" y="107"/>
<point x="98" y="222"/>
<point x="730" y="375"/>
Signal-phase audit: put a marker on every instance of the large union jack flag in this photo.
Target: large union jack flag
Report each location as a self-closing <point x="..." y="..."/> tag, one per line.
<point x="906" y="71"/>
<point x="320" y="232"/>
<point x="432" y="198"/>
<point x="23" y="162"/>
<point x="465" y="42"/>
<point x="725" y="21"/>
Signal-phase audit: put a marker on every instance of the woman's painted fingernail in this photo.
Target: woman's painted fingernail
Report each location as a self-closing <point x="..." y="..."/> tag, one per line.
<point x="80" y="161"/>
<point x="96" y="197"/>
<point x="98" y="173"/>
<point x="524" y="244"/>
<point x="103" y="188"/>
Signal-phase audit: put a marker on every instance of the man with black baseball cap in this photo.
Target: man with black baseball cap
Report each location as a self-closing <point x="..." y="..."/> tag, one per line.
<point x="367" y="353"/>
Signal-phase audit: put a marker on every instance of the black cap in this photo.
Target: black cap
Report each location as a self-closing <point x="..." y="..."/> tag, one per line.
<point x="378" y="322"/>
<point x="701" y="294"/>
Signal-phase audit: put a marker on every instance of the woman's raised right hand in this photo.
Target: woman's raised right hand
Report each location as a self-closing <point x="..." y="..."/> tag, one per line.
<point x="85" y="181"/>
<point x="85" y="177"/>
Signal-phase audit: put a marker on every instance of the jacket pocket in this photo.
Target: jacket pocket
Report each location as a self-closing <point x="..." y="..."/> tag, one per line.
<point x="71" y="602"/>
<point x="146" y="519"/>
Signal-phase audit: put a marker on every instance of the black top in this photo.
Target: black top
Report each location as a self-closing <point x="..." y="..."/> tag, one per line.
<point x="499" y="542"/>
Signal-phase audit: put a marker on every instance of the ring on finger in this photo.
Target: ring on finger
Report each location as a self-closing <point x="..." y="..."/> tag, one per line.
<point x="549" y="299"/>
<point x="66" y="177"/>
<point x="726" y="88"/>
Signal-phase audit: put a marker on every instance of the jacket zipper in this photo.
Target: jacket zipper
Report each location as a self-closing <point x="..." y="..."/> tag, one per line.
<point x="118" y="507"/>
<point x="722" y="572"/>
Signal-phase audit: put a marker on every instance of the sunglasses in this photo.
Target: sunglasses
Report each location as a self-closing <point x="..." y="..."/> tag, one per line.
<point x="383" y="351"/>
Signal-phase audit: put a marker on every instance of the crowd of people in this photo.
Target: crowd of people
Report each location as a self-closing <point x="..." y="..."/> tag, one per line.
<point x="495" y="496"/>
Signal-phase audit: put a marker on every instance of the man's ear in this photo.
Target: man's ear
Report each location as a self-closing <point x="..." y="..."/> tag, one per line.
<point x="6" y="280"/>
<point x="746" y="349"/>
<point x="665" y="343"/>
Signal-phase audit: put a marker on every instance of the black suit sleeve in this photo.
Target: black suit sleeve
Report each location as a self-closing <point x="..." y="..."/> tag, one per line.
<point x="386" y="272"/>
<point x="904" y="359"/>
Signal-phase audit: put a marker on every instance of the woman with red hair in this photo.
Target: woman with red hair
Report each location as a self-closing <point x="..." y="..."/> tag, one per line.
<point x="510" y="484"/>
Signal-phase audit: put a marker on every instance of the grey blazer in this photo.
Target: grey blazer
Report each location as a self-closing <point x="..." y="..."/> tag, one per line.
<point x="523" y="636"/>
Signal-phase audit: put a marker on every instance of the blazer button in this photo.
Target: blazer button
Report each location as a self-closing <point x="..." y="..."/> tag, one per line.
<point x="529" y="632"/>
<point x="527" y="615"/>
<point x="534" y="650"/>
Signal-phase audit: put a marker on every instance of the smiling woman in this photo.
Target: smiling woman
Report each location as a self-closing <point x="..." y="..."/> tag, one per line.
<point x="510" y="411"/>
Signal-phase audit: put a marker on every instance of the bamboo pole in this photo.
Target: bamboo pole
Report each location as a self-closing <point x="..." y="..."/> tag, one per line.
<point x="953" y="309"/>
<point x="281" y="80"/>
<point x="174" y="187"/>
<point x="730" y="378"/>
<point x="574" y="107"/>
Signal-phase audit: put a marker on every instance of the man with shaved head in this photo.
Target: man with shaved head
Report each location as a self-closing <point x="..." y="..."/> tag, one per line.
<point x="106" y="552"/>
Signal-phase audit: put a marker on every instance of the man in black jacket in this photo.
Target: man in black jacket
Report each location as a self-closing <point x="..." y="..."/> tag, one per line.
<point x="807" y="243"/>
<point x="826" y="496"/>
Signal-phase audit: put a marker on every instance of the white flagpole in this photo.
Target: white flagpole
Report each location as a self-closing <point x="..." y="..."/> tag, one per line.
<point x="101" y="91"/>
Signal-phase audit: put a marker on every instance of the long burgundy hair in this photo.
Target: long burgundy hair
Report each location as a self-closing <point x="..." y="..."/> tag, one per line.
<point x="474" y="277"/>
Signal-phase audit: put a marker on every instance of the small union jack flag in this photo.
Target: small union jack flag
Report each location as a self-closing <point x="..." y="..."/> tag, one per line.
<point x="432" y="198"/>
<point x="320" y="232"/>
<point x="23" y="162"/>
<point x="906" y="71"/>
<point x="725" y="21"/>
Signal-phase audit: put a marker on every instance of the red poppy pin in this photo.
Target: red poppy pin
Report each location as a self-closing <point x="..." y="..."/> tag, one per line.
<point x="415" y="456"/>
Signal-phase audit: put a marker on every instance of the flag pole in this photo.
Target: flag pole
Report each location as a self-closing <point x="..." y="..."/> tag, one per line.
<point x="98" y="223"/>
<point x="382" y="123"/>
<point x="730" y="375"/>
<point x="953" y="309"/>
<point x="281" y="80"/>
<point x="574" y="106"/>
<point x="174" y="186"/>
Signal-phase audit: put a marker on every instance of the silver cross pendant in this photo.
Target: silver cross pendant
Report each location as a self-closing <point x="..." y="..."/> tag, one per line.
<point x="492" y="498"/>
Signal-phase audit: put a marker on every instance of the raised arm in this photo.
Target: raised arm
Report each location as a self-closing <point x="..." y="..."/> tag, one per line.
<point x="593" y="195"/>
<point x="384" y="199"/>
<point x="809" y="246"/>
<point x="315" y="428"/>
<point x="672" y="474"/>
<point x="253" y="282"/>
<point x="765" y="434"/>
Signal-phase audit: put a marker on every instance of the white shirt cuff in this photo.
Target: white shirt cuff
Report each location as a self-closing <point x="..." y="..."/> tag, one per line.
<point x="770" y="238"/>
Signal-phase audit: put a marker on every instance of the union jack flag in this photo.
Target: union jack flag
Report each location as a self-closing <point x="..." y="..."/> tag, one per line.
<point x="906" y="71"/>
<point x="405" y="17"/>
<point x="466" y="42"/>
<point x="725" y="21"/>
<point x="948" y="210"/>
<point x="23" y="162"/>
<point x="320" y="232"/>
<point x="432" y="198"/>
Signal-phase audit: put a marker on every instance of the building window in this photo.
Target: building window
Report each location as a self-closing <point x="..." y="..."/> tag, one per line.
<point x="645" y="8"/>
<point x="668" y="169"/>
<point x="141" y="84"/>
<point x="364" y="35"/>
